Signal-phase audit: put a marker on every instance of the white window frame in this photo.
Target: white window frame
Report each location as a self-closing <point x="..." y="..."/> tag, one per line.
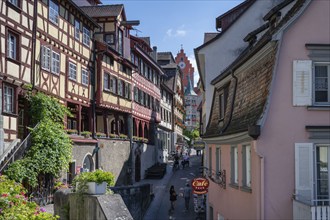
<point x="53" y="12"/>
<point x="84" y="77"/>
<point x="12" y="46"/>
<point x="45" y="57"/>
<point x="306" y="182"/>
<point x="246" y="166"/>
<point x="77" y="29"/>
<point x="9" y="99"/>
<point x="55" y="60"/>
<point x="218" y="161"/>
<point x="86" y="36"/>
<point x="113" y="84"/>
<point x="327" y="64"/>
<point x="234" y="165"/>
<point x="106" y="81"/>
<point x="72" y="71"/>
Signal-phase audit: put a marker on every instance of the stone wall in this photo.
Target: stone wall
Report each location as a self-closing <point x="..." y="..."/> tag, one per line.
<point x="69" y="205"/>
<point x="113" y="157"/>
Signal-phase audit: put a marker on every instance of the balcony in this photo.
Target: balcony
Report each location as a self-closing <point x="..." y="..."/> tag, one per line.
<point x="319" y="211"/>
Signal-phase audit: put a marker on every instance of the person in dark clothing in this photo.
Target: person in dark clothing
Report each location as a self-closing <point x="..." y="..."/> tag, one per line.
<point x="173" y="197"/>
<point x="186" y="195"/>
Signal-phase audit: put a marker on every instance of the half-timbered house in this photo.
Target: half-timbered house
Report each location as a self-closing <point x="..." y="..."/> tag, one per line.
<point x="173" y="80"/>
<point x="146" y="105"/>
<point x="16" y="64"/>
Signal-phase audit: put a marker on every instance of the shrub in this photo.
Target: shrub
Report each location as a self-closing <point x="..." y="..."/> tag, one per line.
<point x="15" y="205"/>
<point x="97" y="176"/>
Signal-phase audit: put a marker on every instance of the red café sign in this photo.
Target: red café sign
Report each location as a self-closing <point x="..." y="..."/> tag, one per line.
<point x="200" y="185"/>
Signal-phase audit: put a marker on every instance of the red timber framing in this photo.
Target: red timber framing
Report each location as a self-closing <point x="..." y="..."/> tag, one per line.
<point x="113" y="91"/>
<point x="146" y="81"/>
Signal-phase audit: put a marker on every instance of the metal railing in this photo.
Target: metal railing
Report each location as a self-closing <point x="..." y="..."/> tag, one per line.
<point x="17" y="152"/>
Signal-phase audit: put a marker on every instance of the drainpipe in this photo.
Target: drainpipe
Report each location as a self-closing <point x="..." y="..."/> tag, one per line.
<point x="34" y="34"/>
<point x="262" y="187"/>
<point x="93" y="73"/>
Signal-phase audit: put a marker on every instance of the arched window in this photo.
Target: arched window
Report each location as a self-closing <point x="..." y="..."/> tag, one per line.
<point x="88" y="164"/>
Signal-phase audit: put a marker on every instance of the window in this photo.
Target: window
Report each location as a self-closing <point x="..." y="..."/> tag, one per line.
<point x="322" y="83"/>
<point x="234" y="163"/>
<point x="218" y="161"/>
<point x="14" y="2"/>
<point x="222" y="103"/>
<point x="106" y="81"/>
<point x="45" y="58"/>
<point x="127" y="91"/>
<point x="136" y="94"/>
<point x="210" y="160"/>
<point x="246" y="166"/>
<point x="77" y="29"/>
<point x="113" y="84"/>
<point x="109" y="39"/>
<point x="86" y="36"/>
<point x="50" y="60"/>
<point x="84" y="77"/>
<point x="53" y="12"/>
<point x="12" y="46"/>
<point x="9" y="99"/>
<point x="312" y="173"/>
<point x="120" y="88"/>
<point x="72" y="71"/>
<point x="120" y="42"/>
<point x="55" y="63"/>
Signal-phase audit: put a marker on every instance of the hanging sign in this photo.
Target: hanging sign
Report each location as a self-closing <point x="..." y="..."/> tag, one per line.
<point x="199" y="145"/>
<point x="200" y="185"/>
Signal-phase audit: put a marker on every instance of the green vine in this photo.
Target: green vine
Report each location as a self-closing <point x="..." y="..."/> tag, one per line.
<point x="51" y="147"/>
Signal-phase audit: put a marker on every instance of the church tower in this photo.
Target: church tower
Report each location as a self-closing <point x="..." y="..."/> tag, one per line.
<point x="186" y="67"/>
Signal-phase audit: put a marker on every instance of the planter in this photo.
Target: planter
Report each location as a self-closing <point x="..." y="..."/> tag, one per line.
<point x="94" y="188"/>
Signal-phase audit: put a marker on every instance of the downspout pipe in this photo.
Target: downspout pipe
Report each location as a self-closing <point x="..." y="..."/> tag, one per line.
<point x="93" y="72"/>
<point x="34" y="37"/>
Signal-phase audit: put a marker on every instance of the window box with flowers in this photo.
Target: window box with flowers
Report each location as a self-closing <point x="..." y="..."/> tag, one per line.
<point x="123" y="136"/>
<point x="86" y="134"/>
<point x="100" y="135"/>
<point x="72" y="131"/>
<point x="113" y="135"/>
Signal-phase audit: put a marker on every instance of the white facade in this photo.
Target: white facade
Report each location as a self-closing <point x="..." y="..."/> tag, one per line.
<point x="218" y="54"/>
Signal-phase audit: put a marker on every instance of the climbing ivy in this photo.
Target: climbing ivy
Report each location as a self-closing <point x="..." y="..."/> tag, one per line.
<point x="51" y="147"/>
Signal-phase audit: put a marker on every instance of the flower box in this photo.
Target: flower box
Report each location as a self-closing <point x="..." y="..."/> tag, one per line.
<point x="95" y="188"/>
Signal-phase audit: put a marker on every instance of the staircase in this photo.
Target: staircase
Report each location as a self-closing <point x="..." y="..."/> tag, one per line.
<point x="15" y="151"/>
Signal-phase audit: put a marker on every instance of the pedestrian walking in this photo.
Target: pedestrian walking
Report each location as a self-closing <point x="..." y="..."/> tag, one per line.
<point x="173" y="197"/>
<point x="186" y="195"/>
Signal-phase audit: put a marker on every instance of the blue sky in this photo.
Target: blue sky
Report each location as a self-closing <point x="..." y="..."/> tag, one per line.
<point x="173" y="23"/>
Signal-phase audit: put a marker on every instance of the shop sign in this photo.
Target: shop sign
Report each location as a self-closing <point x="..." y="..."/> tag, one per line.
<point x="199" y="145"/>
<point x="200" y="185"/>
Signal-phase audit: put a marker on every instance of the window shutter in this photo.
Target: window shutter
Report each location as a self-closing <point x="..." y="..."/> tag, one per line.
<point x="302" y="82"/>
<point x="304" y="172"/>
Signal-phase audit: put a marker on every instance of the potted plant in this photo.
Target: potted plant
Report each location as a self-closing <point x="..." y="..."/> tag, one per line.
<point x="93" y="182"/>
<point x="71" y="131"/>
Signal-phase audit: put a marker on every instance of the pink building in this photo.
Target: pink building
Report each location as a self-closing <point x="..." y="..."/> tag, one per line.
<point x="268" y="137"/>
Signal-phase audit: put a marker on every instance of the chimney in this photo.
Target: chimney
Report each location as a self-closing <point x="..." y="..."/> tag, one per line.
<point x="154" y="53"/>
